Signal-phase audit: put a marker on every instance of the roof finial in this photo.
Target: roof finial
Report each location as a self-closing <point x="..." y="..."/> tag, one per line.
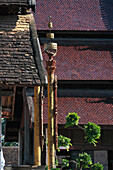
<point x="50" y="24"/>
<point x="50" y="48"/>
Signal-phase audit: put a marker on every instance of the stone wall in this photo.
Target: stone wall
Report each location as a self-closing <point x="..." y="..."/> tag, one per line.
<point x="10" y="155"/>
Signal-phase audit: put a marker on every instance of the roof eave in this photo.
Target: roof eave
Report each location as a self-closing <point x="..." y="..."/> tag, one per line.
<point x="37" y="51"/>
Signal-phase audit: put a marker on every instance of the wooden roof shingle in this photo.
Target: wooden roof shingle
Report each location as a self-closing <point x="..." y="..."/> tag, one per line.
<point x="17" y="65"/>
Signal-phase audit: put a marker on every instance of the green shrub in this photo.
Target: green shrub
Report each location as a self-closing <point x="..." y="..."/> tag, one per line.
<point x="72" y="119"/>
<point x="84" y="160"/>
<point x="65" y="163"/>
<point x="92" y="132"/>
<point x="64" y="141"/>
<point x="97" y="166"/>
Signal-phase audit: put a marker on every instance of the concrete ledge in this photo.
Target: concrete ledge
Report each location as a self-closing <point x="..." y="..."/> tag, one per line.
<point x="7" y="167"/>
<point x="38" y="167"/>
<point x="22" y="167"/>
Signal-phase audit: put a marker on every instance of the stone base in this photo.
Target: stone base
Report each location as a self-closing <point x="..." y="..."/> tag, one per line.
<point x="8" y="167"/>
<point x="24" y="167"/>
<point x="38" y="167"/>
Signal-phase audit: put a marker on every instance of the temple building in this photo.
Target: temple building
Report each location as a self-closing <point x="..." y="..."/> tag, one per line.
<point x="21" y="68"/>
<point x="84" y="67"/>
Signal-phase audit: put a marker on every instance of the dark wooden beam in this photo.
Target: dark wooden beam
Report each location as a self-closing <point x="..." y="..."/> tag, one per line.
<point x="12" y="138"/>
<point x="20" y="148"/>
<point x="13" y="103"/>
<point x="12" y="129"/>
<point x="26" y="131"/>
<point x="7" y="93"/>
<point x="6" y="110"/>
<point x="85" y="93"/>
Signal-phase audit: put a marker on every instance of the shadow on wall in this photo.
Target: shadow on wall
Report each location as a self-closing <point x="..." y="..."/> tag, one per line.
<point x="108" y="100"/>
<point x="106" y="7"/>
<point x="101" y="47"/>
<point x="8" y="22"/>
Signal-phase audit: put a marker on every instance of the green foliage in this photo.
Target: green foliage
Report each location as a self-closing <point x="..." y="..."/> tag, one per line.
<point x="56" y="162"/>
<point x="84" y="160"/>
<point x="65" y="163"/>
<point x="9" y="144"/>
<point x="72" y="119"/>
<point x="97" y="166"/>
<point x="92" y="132"/>
<point x="64" y="141"/>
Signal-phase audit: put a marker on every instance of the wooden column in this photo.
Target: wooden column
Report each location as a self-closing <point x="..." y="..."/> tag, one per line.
<point x="0" y="125"/>
<point x="37" y="127"/>
<point x="26" y="132"/>
<point x="55" y="113"/>
<point x="20" y="149"/>
<point x="51" y="144"/>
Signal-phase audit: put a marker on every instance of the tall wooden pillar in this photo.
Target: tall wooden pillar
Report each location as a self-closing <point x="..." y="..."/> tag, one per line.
<point x="26" y="140"/>
<point x="37" y="127"/>
<point x="26" y="132"/>
<point x="51" y="135"/>
<point x="20" y="149"/>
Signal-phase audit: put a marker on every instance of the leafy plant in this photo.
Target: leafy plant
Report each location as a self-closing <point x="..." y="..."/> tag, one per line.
<point x="92" y="132"/>
<point x="97" y="166"/>
<point x="64" y="141"/>
<point x="56" y="162"/>
<point x="9" y="144"/>
<point x="65" y="163"/>
<point x="84" y="160"/>
<point x="72" y="119"/>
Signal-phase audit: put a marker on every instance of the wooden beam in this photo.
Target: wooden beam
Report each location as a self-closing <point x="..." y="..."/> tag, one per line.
<point x="7" y="93"/>
<point x="12" y="138"/>
<point x="20" y="148"/>
<point x="55" y="113"/>
<point x="6" y="110"/>
<point x="85" y="93"/>
<point x="12" y="129"/>
<point x="41" y="117"/>
<point x="26" y="131"/>
<point x="37" y="143"/>
<point x="13" y="103"/>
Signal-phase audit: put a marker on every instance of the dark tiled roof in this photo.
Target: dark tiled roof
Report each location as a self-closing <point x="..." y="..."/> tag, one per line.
<point x="13" y="1"/>
<point x="92" y="62"/>
<point x="96" y="110"/>
<point x="17" y="64"/>
<point x="75" y="15"/>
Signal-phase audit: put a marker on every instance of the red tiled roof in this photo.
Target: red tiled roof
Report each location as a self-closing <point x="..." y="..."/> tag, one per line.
<point x="75" y="15"/>
<point x="96" y="110"/>
<point x="84" y="63"/>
